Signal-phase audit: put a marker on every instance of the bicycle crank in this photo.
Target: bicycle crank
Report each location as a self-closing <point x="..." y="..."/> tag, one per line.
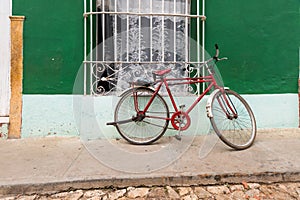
<point x="180" y="121"/>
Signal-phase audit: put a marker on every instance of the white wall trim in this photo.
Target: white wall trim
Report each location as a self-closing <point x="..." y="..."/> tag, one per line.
<point x="4" y="120"/>
<point x="5" y="12"/>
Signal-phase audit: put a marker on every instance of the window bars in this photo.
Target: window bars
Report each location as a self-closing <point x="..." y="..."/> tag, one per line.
<point x="125" y="40"/>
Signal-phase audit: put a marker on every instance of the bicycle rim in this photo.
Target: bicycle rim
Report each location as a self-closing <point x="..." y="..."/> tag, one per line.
<point x="149" y="129"/>
<point x="237" y="131"/>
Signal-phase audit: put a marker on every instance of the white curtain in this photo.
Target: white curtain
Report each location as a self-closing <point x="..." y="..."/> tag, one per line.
<point x="134" y="6"/>
<point x="154" y="39"/>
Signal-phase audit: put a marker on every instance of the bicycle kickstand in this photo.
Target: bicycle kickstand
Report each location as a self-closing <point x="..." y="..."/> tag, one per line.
<point x="178" y="136"/>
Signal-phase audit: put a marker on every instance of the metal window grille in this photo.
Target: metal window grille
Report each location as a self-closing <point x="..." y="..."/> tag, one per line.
<point x="128" y="39"/>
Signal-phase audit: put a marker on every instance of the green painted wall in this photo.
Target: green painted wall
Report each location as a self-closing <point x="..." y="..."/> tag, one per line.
<point x="53" y="44"/>
<point x="261" y="39"/>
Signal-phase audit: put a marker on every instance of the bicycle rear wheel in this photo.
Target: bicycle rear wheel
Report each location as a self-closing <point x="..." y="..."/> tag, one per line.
<point x="146" y="129"/>
<point x="233" y="120"/>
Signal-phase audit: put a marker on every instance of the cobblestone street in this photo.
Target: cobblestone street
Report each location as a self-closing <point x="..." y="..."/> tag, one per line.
<point x="284" y="191"/>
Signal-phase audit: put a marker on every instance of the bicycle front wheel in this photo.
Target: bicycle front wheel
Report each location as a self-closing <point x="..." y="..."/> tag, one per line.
<point x="233" y="120"/>
<point x="143" y="129"/>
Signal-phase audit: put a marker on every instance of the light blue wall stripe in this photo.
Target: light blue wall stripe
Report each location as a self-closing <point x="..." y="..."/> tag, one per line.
<point x="45" y="115"/>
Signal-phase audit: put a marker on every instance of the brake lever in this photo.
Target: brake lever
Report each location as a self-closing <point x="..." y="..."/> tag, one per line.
<point x="224" y="58"/>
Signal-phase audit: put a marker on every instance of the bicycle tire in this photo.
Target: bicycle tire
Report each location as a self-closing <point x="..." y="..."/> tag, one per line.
<point x="148" y="130"/>
<point x="237" y="132"/>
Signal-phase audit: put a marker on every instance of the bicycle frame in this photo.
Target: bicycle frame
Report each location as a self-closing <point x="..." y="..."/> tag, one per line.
<point x="165" y="81"/>
<point x="226" y="104"/>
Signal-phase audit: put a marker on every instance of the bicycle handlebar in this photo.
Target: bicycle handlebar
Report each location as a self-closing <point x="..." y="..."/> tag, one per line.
<point x="216" y="57"/>
<point x="217" y="51"/>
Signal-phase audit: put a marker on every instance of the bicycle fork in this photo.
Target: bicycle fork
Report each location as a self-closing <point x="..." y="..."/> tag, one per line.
<point x="225" y="102"/>
<point x="227" y="106"/>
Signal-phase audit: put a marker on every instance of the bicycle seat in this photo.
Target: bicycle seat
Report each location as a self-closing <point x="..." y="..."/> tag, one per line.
<point x="161" y="72"/>
<point x="142" y="82"/>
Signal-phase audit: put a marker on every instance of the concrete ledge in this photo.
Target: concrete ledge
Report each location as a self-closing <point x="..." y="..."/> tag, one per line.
<point x="123" y="182"/>
<point x="55" y="164"/>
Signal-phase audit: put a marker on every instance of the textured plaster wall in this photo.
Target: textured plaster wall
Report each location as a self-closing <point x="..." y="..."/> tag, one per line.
<point x="261" y="39"/>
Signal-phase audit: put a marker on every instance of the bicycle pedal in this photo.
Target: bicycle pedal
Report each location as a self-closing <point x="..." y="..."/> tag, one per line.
<point x="178" y="137"/>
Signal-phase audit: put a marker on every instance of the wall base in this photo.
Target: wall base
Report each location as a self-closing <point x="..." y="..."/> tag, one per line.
<point x="68" y="115"/>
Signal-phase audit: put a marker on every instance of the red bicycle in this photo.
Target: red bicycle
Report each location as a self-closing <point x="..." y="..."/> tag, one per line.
<point x="142" y="115"/>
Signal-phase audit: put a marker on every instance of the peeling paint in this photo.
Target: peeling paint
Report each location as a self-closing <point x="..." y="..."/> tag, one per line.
<point x="3" y="131"/>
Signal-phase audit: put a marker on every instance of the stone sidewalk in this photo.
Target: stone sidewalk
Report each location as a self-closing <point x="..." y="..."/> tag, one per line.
<point x="52" y="164"/>
<point x="251" y="191"/>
